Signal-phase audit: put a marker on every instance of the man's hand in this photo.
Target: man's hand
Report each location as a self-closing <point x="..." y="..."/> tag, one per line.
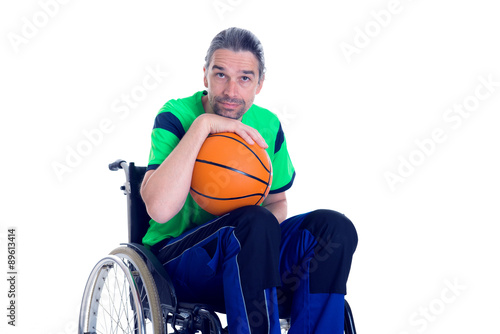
<point x="217" y="124"/>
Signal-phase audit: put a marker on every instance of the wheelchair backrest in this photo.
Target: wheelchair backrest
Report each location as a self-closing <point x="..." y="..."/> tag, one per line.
<point x="138" y="218"/>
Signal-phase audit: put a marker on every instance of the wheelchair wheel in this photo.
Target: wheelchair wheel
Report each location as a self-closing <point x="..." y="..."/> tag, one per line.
<point x="121" y="297"/>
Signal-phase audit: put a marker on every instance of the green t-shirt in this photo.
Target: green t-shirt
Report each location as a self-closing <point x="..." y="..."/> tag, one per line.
<point x="172" y="122"/>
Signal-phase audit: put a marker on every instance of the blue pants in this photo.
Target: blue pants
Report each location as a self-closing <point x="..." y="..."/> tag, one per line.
<point x="257" y="270"/>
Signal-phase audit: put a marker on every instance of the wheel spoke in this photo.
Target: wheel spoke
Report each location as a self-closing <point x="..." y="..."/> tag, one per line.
<point x="110" y="313"/>
<point x="121" y="297"/>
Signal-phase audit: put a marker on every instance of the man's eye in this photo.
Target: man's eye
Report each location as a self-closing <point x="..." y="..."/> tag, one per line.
<point x="245" y="78"/>
<point x="220" y="75"/>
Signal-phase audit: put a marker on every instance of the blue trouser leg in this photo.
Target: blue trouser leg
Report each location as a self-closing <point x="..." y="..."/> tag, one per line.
<point x="315" y="259"/>
<point x="231" y="262"/>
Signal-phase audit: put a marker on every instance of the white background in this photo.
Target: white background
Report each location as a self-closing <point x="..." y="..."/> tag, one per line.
<point x="349" y="120"/>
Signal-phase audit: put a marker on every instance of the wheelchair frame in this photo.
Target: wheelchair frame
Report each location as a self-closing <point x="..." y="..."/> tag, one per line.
<point x="151" y="305"/>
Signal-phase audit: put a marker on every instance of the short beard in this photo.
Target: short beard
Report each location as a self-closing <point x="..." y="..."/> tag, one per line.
<point x="234" y="114"/>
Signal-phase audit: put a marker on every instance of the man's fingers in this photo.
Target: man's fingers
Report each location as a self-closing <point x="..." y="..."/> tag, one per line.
<point x="253" y="136"/>
<point x="247" y="133"/>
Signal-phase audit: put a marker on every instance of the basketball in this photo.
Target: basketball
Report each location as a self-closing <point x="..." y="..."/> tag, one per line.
<point x="229" y="173"/>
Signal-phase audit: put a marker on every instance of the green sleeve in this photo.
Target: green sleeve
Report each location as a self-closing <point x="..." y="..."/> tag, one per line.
<point x="163" y="143"/>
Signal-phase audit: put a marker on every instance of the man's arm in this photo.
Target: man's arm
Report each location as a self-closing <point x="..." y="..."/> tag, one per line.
<point x="165" y="189"/>
<point x="277" y="204"/>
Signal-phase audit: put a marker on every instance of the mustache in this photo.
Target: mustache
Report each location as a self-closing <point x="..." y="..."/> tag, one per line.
<point x="229" y="100"/>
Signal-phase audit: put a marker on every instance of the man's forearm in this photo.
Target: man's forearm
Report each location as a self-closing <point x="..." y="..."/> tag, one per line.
<point x="165" y="190"/>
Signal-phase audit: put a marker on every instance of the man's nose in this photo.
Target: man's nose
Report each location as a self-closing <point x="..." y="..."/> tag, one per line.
<point x="231" y="88"/>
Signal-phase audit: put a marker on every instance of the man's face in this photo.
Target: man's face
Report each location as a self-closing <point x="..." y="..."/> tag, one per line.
<point x="232" y="81"/>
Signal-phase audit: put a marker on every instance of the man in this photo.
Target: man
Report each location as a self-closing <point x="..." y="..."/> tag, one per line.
<point x="253" y="262"/>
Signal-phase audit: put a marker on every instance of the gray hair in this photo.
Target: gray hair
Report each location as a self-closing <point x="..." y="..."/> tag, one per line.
<point x="237" y="39"/>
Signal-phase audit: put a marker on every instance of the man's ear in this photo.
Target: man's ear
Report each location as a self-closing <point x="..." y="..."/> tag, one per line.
<point x="261" y="83"/>
<point x="205" y="80"/>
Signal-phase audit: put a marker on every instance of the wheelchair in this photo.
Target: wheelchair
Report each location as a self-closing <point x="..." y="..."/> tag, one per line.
<point x="129" y="290"/>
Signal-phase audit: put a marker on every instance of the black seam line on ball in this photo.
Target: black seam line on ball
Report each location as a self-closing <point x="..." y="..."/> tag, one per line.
<point x="228" y="198"/>
<point x="239" y="141"/>
<point x="231" y="169"/>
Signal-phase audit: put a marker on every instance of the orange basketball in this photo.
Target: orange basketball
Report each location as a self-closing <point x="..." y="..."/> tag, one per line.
<point x="229" y="173"/>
